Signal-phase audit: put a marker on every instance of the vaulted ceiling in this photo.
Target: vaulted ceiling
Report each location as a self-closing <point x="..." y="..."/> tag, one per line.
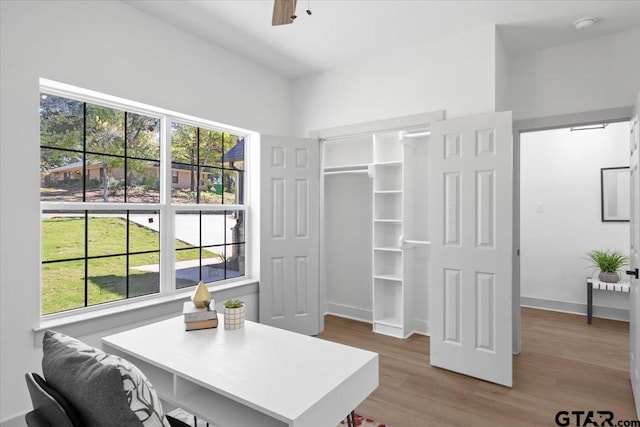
<point x="339" y="31"/>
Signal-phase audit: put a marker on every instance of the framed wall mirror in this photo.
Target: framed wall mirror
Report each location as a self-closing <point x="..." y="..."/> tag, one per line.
<point x="615" y="194"/>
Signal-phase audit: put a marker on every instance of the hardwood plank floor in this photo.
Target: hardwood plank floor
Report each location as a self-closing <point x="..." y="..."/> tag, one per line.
<point x="565" y="364"/>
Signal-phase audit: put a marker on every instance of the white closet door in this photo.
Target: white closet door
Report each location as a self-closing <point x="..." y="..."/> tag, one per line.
<point x="289" y="231"/>
<point x="634" y="257"/>
<point x="470" y="230"/>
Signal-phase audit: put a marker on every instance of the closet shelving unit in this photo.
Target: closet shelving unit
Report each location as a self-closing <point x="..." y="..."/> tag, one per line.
<point x="389" y="159"/>
<point x="392" y="266"/>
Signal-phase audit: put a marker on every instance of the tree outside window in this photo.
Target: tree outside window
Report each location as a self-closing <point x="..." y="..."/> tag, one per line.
<point x="96" y="155"/>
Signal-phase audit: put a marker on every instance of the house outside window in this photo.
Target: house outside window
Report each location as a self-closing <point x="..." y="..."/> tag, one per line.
<point x="207" y="178"/>
<point x="105" y="206"/>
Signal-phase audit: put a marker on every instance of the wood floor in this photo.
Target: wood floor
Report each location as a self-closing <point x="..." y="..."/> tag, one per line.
<point x="565" y="364"/>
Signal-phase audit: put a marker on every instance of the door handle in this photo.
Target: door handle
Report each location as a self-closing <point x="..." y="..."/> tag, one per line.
<point x="633" y="273"/>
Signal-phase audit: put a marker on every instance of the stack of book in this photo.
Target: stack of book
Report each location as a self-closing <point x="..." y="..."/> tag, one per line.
<point x="199" y="317"/>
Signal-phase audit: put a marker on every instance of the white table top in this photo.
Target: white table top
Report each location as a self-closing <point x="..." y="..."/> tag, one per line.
<point x="275" y="371"/>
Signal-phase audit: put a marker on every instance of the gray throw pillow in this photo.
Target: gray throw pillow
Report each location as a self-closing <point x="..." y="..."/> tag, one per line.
<point x="105" y="389"/>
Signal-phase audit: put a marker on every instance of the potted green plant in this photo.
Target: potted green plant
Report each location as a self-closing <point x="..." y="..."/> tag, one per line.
<point x="608" y="262"/>
<point x="233" y="314"/>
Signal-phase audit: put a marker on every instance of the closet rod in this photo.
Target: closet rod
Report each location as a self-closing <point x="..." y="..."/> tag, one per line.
<point x="369" y="133"/>
<point x="416" y="134"/>
<point x="418" y="242"/>
<point x="352" y="135"/>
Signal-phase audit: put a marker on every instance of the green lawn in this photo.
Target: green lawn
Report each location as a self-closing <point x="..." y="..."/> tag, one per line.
<point x="63" y="282"/>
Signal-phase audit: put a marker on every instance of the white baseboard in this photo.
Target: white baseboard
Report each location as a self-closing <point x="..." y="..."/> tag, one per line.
<point x="349" y="312"/>
<point x="17" y="421"/>
<point x="575" y="308"/>
<point x="421" y="327"/>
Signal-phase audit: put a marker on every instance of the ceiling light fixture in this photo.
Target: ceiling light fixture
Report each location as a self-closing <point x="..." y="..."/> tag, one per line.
<point x="584" y="23"/>
<point x="589" y="127"/>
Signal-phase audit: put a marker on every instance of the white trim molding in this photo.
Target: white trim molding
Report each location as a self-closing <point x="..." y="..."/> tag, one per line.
<point x="611" y="313"/>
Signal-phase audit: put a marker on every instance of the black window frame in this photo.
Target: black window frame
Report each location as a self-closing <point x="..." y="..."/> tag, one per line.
<point x="165" y="209"/>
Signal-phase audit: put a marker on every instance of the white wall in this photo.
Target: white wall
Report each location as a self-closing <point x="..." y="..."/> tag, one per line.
<point x="560" y="173"/>
<point x="348" y="225"/>
<point x="501" y="75"/>
<point x="455" y="74"/>
<point x="460" y="75"/>
<point x="591" y="75"/>
<point x="113" y="48"/>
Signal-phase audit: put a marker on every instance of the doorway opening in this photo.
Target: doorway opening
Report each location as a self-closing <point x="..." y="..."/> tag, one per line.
<point x="561" y="215"/>
<point x="520" y="128"/>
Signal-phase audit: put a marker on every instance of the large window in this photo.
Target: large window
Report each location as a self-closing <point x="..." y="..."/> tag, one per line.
<point x="210" y="167"/>
<point x="109" y="193"/>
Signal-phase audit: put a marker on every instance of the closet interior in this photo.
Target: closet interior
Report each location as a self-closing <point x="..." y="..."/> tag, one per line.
<point x="375" y="241"/>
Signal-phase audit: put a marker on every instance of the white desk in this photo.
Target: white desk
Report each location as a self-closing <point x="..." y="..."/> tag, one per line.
<point x="257" y="376"/>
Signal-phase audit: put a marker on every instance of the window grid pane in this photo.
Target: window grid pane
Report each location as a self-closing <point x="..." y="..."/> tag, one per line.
<point x="61" y="122"/>
<point x="99" y="154"/>
<point x="104" y="130"/>
<point x="92" y="257"/>
<point x="206" y="162"/>
<point x="211" y="246"/>
<point x="96" y="153"/>
<point x="63" y="286"/>
<point x="144" y="274"/>
<point x="106" y="279"/>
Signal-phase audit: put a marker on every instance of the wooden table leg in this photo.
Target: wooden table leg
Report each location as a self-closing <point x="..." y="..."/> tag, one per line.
<point x="351" y="419"/>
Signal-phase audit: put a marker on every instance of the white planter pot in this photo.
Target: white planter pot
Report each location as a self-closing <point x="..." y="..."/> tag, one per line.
<point x="234" y="317"/>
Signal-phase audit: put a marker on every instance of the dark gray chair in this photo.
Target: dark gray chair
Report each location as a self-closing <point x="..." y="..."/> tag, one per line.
<point x="51" y="409"/>
<point x="48" y="409"/>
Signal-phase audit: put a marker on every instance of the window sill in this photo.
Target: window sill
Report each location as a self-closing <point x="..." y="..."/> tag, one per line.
<point x="58" y="321"/>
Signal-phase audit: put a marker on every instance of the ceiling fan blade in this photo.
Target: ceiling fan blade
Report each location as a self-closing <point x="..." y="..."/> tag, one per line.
<point x="283" y="10"/>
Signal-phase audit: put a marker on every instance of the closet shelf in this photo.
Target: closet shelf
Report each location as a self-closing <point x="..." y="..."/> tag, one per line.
<point x="388" y="249"/>
<point x="359" y="167"/>
<point x="387" y="192"/>
<point x="346" y="172"/>
<point x="389" y="277"/>
<point x="391" y="163"/>
<point x="418" y="242"/>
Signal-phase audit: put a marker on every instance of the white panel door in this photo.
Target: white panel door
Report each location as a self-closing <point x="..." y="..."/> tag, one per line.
<point x="289" y="233"/>
<point x="470" y="230"/>
<point x="634" y="257"/>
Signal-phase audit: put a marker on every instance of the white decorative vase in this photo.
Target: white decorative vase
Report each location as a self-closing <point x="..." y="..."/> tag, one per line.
<point x="234" y="317"/>
<point x="609" y="277"/>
